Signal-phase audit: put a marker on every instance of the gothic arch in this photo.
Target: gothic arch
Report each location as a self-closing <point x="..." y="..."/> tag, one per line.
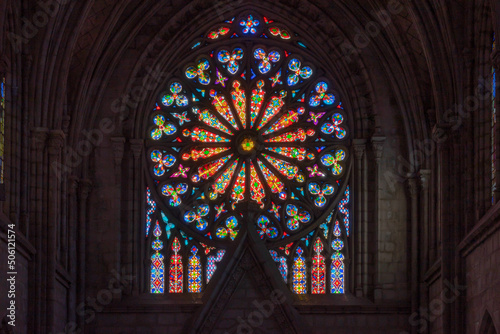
<point x="487" y="325"/>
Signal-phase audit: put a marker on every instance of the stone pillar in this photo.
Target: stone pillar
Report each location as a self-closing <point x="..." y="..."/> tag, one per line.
<point x="378" y="149"/>
<point x="425" y="175"/>
<point x="56" y="142"/>
<point x="359" y="241"/>
<point x="37" y="274"/>
<point x="72" y="205"/>
<point x="84" y="190"/>
<point x="415" y="245"/>
<point x="136" y="247"/>
<point x="118" y="146"/>
<point x="495" y="61"/>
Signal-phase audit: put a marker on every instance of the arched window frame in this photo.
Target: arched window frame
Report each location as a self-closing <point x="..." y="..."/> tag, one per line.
<point x="282" y="263"/>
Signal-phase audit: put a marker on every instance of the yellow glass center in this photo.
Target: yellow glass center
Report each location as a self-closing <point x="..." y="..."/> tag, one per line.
<point x="247" y="144"/>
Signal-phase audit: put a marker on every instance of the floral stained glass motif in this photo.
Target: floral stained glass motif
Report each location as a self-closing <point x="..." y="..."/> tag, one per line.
<point x="231" y="58"/>
<point x="229" y="228"/>
<point x="162" y="128"/>
<point x="334" y="127"/>
<point x="266" y="59"/>
<point x="249" y="25"/>
<point x="221" y="31"/>
<point x="297" y="72"/>
<point x="266" y="228"/>
<point x="168" y="190"/>
<point x="200" y="71"/>
<point x="322" y="96"/>
<point x="321" y="193"/>
<point x="163" y="161"/>
<point x="175" y="98"/>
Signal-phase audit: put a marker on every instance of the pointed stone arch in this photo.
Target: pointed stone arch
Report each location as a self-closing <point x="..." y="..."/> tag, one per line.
<point x="487" y="325"/>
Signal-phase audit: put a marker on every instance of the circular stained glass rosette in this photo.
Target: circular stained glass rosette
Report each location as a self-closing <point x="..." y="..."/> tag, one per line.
<point x="247" y="131"/>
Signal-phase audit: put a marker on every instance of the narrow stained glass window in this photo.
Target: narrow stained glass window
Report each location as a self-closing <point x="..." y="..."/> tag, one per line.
<point x="283" y="267"/>
<point x="299" y="273"/>
<point x="318" y="270"/>
<point x="157" y="263"/>
<point x="337" y="273"/>
<point x="337" y="267"/>
<point x="211" y="263"/>
<point x="175" y="268"/>
<point x="2" y="128"/>
<point x="194" y="271"/>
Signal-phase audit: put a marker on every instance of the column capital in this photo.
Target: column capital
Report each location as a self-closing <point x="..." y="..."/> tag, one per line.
<point x="72" y="184"/>
<point x="56" y="141"/>
<point x="359" y="146"/>
<point x="136" y="145"/>
<point x="118" y="144"/>
<point x="378" y="147"/>
<point x="39" y="138"/>
<point x="66" y="121"/>
<point x="3" y="66"/>
<point x="495" y="59"/>
<point x="413" y="186"/>
<point x="468" y="56"/>
<point x="425" y="175"/>
<point x="85" y="186"/>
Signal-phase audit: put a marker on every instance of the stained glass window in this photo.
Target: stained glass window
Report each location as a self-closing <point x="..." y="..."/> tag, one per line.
<point x="194" y="271"/>
<point x="2" y="127"/>
<point x="299" y="279"/>
<point x="176" y="270"/>
<point x="318" y="269"/>
<point x="248" y="126"/>
<point x="157" y="262"/>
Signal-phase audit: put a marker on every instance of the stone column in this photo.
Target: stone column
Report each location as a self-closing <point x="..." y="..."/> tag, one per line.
<point x="415" y="245"/>
<point x="72" y="206"/>
<point x="118" y="146"/>
<point x="495" y="62"/>
<point x="425" y="175"/>
<point x="136" y="245"/>
<point x="378" y="149"/>
<point x="37" y="281"/>
<point x="359" y="241"/>
<point x="56" y="142"/>
<point x="84" y="190"/>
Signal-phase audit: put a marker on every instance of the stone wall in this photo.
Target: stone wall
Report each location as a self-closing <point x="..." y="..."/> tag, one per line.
<point x="482" y="267"/>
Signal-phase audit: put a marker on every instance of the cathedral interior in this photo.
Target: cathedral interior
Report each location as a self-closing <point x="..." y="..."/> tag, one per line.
<point x="249" y="166"/>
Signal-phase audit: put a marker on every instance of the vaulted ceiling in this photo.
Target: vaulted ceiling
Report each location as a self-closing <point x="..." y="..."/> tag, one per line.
<point x="91" y="48"/>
